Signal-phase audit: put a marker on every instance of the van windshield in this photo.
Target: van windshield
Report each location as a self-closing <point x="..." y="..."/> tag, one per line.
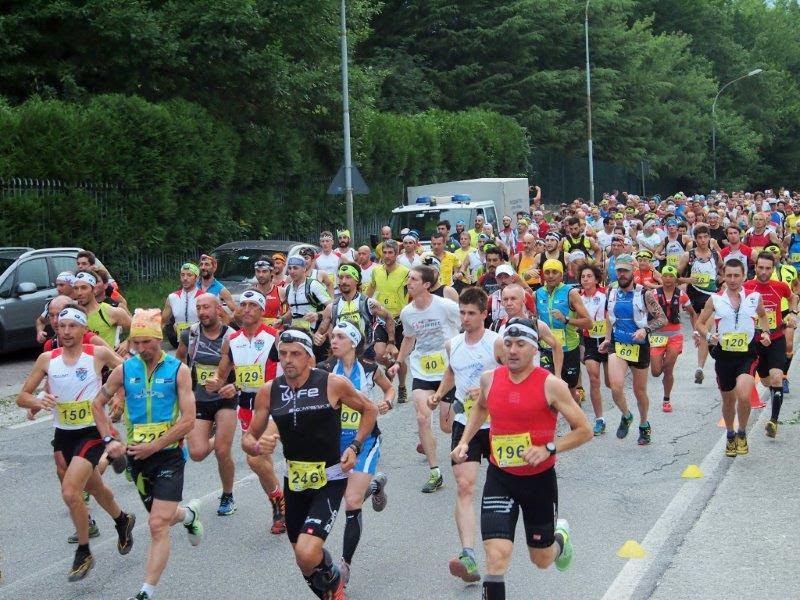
<point x="425" y="221"/>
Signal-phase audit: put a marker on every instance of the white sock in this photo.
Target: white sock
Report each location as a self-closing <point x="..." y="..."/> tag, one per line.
<point x="150" y="590"/>
<point x="188" y="516"/>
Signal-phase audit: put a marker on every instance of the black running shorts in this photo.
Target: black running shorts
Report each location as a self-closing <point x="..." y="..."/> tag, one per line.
<point x="312" y="511"/>
<point x="591" y="352"/>
<point x="206" y="411"/>
<point x="478" y="445"/>
<point x="159" y="477"/>
<point x="770" y="357"/>
<point x="85" y="442"/>
<point x="729" y="365"/>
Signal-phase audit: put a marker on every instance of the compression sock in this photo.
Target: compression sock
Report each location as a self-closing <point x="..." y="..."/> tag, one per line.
<point x="777" y="401"/>
<point x="494" y="587"/>
<point x="352" y="534"/>
<point x="666" y="399"/>
<point x="82" y="550"/>
<point x="788" y="363"/>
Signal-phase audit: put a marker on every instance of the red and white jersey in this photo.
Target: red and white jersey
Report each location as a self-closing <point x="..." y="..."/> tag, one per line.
<point x="75" y="387"/>
<point x="184" y="305"/>
<point x="274" y="306"/>
<point x="255" y="359"/>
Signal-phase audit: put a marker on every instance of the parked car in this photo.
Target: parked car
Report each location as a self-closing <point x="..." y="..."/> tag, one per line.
<point x="27" y="282"/>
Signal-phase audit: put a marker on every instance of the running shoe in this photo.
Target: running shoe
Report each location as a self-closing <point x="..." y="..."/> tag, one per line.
<point x="195" y="528"/>
<point x="465" y="568"/>
<point x="434" y="483"/>
<point x="772" y="428"/>
<point x="666" y="407"/>
<point x="119" y="464"/>
<point x="379" y="492"/>
<point x="699" y="375"/>
<point x="125" y="535"/>
<point x="278" y="515"/>
<point x="730" y="447"/>
<point x="581" y="394"/>
<point x="644" y="435"/>
<point x="624" y="426"/>
<point x="140" y="596"/>
<point x="81" y="566"/>
<point x="344" y="572"/>
<point x="785" y="387"/>
<point x="86" y="497"/>
<point x="420" y="449"/>
<point x="741" y="444"/>
<point x="337" y="593"/>
<point x="599" y="426"/>
<point x="94" y="531"/>
<point x="402" y="397"/>
<point x="565" y="558"/>
<point x="226" y="505"/>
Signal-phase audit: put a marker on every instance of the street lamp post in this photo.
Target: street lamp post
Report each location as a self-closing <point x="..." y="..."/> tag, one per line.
<point x="589" y="102"/>
<point x="348" y="160"/>
<point x="714" y="116"/>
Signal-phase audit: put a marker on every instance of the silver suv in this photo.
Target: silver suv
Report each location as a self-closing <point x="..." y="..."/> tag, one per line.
<point x="27" y="282"/>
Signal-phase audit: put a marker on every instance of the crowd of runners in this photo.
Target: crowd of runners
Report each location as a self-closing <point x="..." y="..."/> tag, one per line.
<point x="489" y="327"/>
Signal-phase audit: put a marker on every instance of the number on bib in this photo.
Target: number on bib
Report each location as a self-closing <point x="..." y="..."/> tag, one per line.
<point x="658" y="341"/>
<point x="306" y="475"/>
<point x="560" y="336"/>
<point x="432" y="364"/>
<point x="772" y="317"/>
<point x="629" y="352"/>
<point x="249" y="376"/>
<point x="599" y="329"/>
<point x="794" y="257"/>
<point x="144" y="433"/>
<point x="469" y="404"/>
<point x="269" y="320"/>
<point x="301" y="324"/>
<point x="703" y="279"/>
<point x="673" y="260"/>
<point x="203" y="372"/>
<point x="351" y="419"/>
<point x="75" y="413"/>
<point x="508" y="449"/>
<point x="735" y="342"/>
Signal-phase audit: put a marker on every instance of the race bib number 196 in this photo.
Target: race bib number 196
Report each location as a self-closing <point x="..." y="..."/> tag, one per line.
<point x="508" y="449"/>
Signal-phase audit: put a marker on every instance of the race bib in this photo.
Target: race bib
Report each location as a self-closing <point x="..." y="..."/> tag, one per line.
<point x="144" y="433"/>
<point x="703" y="279"/>
<point x="658" y="341"/>
<point x="629" y="352"/>
<point x="75" y="413"/>
<point x="735" y="342"/>
<point x="794" y="257"/>
<point x="772" y="317"/>
<point x="469" y="403"/>
<point x="250" y="376"/>
<point x="181" y="327"/>
<point x="306" y="475"/>
<point x="351" y="419"/>
<point x="508" y="449"/>
<point x="269" y="321"/>
<point x="301" y="324"/>
<point x="203" y="372"/>
<point x="673" y="260"/>
<point x="432" y="364"/>
<point x="599" y="329"/>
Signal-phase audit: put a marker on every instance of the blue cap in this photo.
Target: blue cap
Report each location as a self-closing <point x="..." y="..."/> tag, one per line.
<point x="672" y="222"/>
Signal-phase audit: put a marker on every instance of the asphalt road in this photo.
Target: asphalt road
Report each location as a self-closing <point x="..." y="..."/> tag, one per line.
<point x="610" y="490"/>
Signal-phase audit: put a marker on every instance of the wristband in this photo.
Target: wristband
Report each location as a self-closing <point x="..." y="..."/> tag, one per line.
<point x="355" y="446"/>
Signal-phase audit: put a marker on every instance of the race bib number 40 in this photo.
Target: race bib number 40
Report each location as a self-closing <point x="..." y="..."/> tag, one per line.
<point x="735" y="342"/>
<point x="75" y="413"/>
<point x="629" y="352"/>
<point x="250" y="376"/>
<point x="432" y="364"/>
<point x="508" y="449"/>
<point x="306" y="475"/>
<point x="351" y="419"/>
<point x="144" y="433"/>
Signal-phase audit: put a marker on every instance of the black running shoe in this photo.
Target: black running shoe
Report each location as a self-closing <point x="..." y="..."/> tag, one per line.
<point x="81" y="566"/>
<point x="624" y="426"/>
<point x="125" y="541"/>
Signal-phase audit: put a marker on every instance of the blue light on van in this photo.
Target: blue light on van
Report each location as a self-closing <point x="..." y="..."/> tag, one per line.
<point x="461" y="198"/>
<point x="424" y="200"/>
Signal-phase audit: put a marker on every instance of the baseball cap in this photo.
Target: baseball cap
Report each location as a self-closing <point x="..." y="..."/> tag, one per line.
<point x="504" y="269"/>
<point x="624" y="262"/>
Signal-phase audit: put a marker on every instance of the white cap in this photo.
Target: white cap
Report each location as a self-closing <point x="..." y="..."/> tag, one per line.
<point x="504" y="269"/>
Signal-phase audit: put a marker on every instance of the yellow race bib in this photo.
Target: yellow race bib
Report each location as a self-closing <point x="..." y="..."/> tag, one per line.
<point x="735" y="342"/>
<point x="306" y="475"/>
<point x="351" y="419"/>
<point x="658" y="341"/>
<point x="469" y="403"/>
<point x="269" y="321"/>
<point x="301" y="324"/>
<point x="75" y="413"/>
<point x="250" y="376"/>
<point x="772" y="317"/>
<point x="203" y="372"/>
<point x="560" y="336"/>
<point x="629" y="352"/>
<point x="599" y="329"/>
<point x="432" y="364"/>
<point x="703" y="279"/>
<point x="181" y="327"/>
<point x="673" y="260"/>
<point x="144" y="433"/>
<point x="508" y="449"/>
<point x="794" y="257"/>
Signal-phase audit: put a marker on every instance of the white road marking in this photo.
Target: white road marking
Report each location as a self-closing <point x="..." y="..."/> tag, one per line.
<point x="46" y="418"/>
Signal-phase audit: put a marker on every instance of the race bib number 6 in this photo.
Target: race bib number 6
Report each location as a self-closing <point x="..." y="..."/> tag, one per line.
<point x="508" y="449"/>
<point x="75" y="413"/>
<point x="306" y="475"/>
<point x="250" y="376"/>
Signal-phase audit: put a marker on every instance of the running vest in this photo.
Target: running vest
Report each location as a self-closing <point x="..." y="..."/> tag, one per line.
<point x="308" y="425"/>
<point x="559" y="300"/>
<point x="627" y="312"/>
<point x="674" y="249"/>
<point x="75" y="387"/>
<point x="706" y="268"/>
<point x="100" y="323"/>
<point x="184" y="307"/>
<point x="202" y="357"/>
<point x="788" y="274"/>
<point x="151" y="403"/>
<point x="303" y="300"/>
<point x="571" y="244"/>
<point x="672" y="308"/>
<point x="390" y="288"/>
<point x="497" y="310"/>
<point x="356" y="311"/>
<point x="468" y="362"/>
<point x="255" y="359"/>
<point x="520" y="417"/>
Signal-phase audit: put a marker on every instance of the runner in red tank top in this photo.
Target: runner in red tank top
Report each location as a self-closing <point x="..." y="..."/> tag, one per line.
<point x="265" y="283"/>
<point x="522" y="402"/>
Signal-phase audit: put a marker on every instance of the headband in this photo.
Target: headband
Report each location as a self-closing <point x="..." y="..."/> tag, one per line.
<point x="85" y="277"/>
<point x="551" y="264"/>
<point x="432" y="261"/>
<point x="772" y="248"/>
<point x="279" y="256"/>
<point x="264" y="264"/>
<point x="254" y="296"/>
<point x="350" y="270"/>
<point x="209" y="257"/>
<point x="73" y="314"/>
<point x="296" y="261"/>
<point x="554" y="235"/>
<point x="350" y="330"/>
<point x="294" y="336"/>
<point x="65" y="277"/>
<point x="193" y="268"/>
<point x="519" y="331"/>
<point x="343" y="233"/>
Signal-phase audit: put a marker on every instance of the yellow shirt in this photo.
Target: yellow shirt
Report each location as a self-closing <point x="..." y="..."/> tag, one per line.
<point x="390" y="288"/>
<point x="791" y="222"/>
<point x="449" y="262"/>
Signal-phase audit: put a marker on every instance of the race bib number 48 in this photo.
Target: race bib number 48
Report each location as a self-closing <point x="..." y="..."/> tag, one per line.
<point x="75" y="413"/>
<point x="250" y="376"/>
<point x="508" y="449"/>
<point x="306" y="475"/>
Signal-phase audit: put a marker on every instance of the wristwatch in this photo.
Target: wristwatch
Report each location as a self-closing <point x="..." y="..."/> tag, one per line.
<point x="647" y="330"/>
<point x="108" y="439"/>
<point x="551" y="448"/>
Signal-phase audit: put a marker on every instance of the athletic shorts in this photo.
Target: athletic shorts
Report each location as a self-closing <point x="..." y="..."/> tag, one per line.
<point x="367" y="459"/>
<point x="206" y="411"/>
<point x="504" y="495"/>
<point x="478" y="446"/>
<point x="770" y="357"/>
<point x="570" y="370"/>
<point x="312" y="511"/>
<point x="85" y="442"/>
<point x="591" y="352"/>
<point x="159" y="477"/>
<point x="674" y="342"/>
<point x="246" y="404"/>
<point x="644" y="355"/>
<point x="698" y="299"/>
<point x="729" y="365"/>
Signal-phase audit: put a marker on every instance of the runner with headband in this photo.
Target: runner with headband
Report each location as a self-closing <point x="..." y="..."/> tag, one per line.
<point x="182" y="303"/>
<point x="265" y="283"/>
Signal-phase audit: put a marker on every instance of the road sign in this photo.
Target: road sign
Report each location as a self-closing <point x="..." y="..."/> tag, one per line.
<point x="337" y="186"/>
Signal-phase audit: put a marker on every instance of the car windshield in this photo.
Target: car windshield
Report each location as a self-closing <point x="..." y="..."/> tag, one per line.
<point x="237" y="264"/>
<point x="5" y="262"/>
<point x="425" y="221"/>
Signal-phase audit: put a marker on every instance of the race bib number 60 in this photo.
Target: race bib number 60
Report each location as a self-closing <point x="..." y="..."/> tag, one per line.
<point x="629" y="352"/>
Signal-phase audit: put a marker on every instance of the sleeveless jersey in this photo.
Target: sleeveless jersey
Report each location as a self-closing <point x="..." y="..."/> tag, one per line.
<point x="674" y="249"/>
<point x="757" y="241"/>
<point x="468" y="362"/>
<point x="255" y="359"/>
<point x="214" y="289"/>
<point x="596" y="307"/>
<point x="203" y="356"/>
<point x="75" y="387"/>
<point x="151" y="403"/>
<point x="390" y="288"/>
<point x="328" y="263"/>
<point x="627" y="313"/>
<point x="362" y="376"/>
<point x="558" y="300"/>
<point x="184" y="307"/>
<point x="706" y="268"/>
<point x="273" y="308"/>
<point x="525" y="265"/>
<point x="99" y="322"/>
<point x="517" y="410"/>
<point x="729" y="320"/>
<point x="356" y="311"/>
<point x="308" y="297"/>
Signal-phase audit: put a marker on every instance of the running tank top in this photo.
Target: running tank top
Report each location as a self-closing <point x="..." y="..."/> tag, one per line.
<point x="273" y="308"/>
<point x="468" y="362"/>
<point x="674" y="249"/>
<point x="706" y="269"/>
<point x="520" y="416"/>
<point x="99" y="322"/>
<point x="151" y="402"/>
<point x="214" y="289"/>
<point x="255" y="359"/>
<point x="595" y="305"/>
<point x="362" y="376"/>
<point x="184" y="307"/>
<point x="203" y="356"/>
<point x="390" y="288"/>
<point x="526" y="264"/>
<point x="75" y="387"/>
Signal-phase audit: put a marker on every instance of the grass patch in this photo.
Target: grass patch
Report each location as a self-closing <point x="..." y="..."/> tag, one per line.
<point x="149" y="294"/>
